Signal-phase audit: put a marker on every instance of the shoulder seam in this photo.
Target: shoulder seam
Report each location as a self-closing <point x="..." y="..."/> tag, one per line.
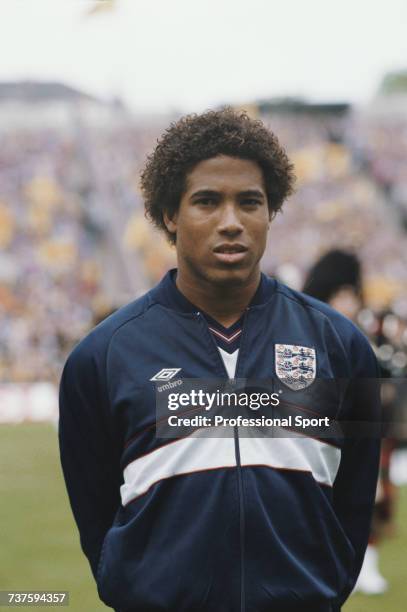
<point x="320" y="312"/>
<point x="136" y="316"/>
<point x="297" y="301"/>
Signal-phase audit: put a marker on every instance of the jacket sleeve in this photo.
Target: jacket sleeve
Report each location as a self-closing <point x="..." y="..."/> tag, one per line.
<point x="88" y="448"/>
<point x="354" y="489"/>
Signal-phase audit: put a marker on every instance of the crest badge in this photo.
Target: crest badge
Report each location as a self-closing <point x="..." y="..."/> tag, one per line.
<point x="295" y="365"/>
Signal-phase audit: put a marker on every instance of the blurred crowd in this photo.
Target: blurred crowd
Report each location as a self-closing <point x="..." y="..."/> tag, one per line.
<point x="384" y="144"/>
<point x="66" y="199"/>
<point x="74" y="243"/>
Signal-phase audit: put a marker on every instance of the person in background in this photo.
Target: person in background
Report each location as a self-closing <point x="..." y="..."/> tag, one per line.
<point x="336" y="278"/>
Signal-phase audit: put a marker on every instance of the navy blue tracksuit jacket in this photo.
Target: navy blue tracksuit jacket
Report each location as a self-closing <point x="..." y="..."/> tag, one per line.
<point x="216" y="524"/>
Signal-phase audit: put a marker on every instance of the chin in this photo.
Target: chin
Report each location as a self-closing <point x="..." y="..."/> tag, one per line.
<point x="221" y="275"/>
<point x="229" y="276"/>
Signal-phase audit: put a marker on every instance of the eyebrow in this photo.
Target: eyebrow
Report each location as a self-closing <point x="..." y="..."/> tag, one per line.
<point x="252" y="193"/>
<point x="205" y="193"/>
<point x="212" y="193"/>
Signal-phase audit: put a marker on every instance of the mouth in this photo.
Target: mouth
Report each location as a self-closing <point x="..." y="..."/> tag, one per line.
<point x="230" y="253"/>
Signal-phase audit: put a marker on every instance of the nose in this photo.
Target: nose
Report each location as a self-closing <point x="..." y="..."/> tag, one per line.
<point x="229" y="222"/>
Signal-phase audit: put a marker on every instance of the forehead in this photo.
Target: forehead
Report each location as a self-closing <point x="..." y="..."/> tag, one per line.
<point x="224" y="172"/>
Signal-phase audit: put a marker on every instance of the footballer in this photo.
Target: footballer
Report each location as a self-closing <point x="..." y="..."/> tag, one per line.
<point x="218" y="524"/>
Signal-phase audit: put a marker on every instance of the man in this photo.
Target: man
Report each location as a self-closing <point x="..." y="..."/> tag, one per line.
<point x="217" y="524"/>
<point x="336" y="278"/>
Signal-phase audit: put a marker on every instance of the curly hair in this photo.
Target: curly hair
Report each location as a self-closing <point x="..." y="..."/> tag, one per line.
<point x="195" y="138"/>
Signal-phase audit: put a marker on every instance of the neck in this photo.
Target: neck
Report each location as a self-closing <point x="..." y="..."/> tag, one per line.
<point x="224" y="303"/>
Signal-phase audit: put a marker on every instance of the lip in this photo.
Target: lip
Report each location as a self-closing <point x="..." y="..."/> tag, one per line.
<point x="230" y="258"/>
<point x="230" y="253"/>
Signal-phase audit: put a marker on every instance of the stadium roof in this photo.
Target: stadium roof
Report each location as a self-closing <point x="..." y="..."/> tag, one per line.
<point x="298" y="106"/>
<point x="37" y="91"/>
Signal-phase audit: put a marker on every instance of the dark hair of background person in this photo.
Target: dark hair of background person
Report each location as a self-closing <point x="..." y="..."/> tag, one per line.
<point x="335" y="270"/>
<point x="195" y="138"/>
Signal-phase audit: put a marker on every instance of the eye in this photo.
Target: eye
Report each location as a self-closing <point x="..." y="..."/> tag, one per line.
<point x="251" y="202"/>
<point x="205" y="201"/>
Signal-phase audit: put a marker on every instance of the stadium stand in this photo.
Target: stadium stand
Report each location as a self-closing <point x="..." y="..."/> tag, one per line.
<point x="74" y="242"/>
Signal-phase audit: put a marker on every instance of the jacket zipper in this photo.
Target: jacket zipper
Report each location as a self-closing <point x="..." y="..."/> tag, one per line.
<point x="238" y="461"/>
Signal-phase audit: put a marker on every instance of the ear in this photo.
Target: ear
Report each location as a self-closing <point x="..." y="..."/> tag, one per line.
<point x="272" y="214"/>
<point x="170" y="222"/>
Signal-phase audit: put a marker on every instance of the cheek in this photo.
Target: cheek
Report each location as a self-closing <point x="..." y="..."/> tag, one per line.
<point x="260" y="231"/>
<point x="192" y="237"/>
<point x="193" y="226"/>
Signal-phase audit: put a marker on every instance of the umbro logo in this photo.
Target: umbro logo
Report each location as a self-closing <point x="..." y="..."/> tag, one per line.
<point x="165" y="374"/>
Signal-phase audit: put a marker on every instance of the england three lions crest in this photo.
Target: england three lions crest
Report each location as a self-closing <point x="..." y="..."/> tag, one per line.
<point x="295" y="365"/>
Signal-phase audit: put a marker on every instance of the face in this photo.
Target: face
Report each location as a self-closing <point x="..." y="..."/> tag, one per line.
<point x="222" y="221"/>
<point x="347" y="302"/>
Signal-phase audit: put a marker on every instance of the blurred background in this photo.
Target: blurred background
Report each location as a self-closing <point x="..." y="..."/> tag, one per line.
<point x="86" y="88"/>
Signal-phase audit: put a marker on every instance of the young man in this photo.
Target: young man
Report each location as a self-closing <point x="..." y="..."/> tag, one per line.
<point x="217" y="524"/>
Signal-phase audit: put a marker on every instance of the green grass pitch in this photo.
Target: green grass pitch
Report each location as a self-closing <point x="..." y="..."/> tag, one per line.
<point x="40" y="546"/>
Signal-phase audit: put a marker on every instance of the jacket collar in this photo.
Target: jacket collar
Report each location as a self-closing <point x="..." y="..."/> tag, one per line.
<point x="167" y="293"/>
